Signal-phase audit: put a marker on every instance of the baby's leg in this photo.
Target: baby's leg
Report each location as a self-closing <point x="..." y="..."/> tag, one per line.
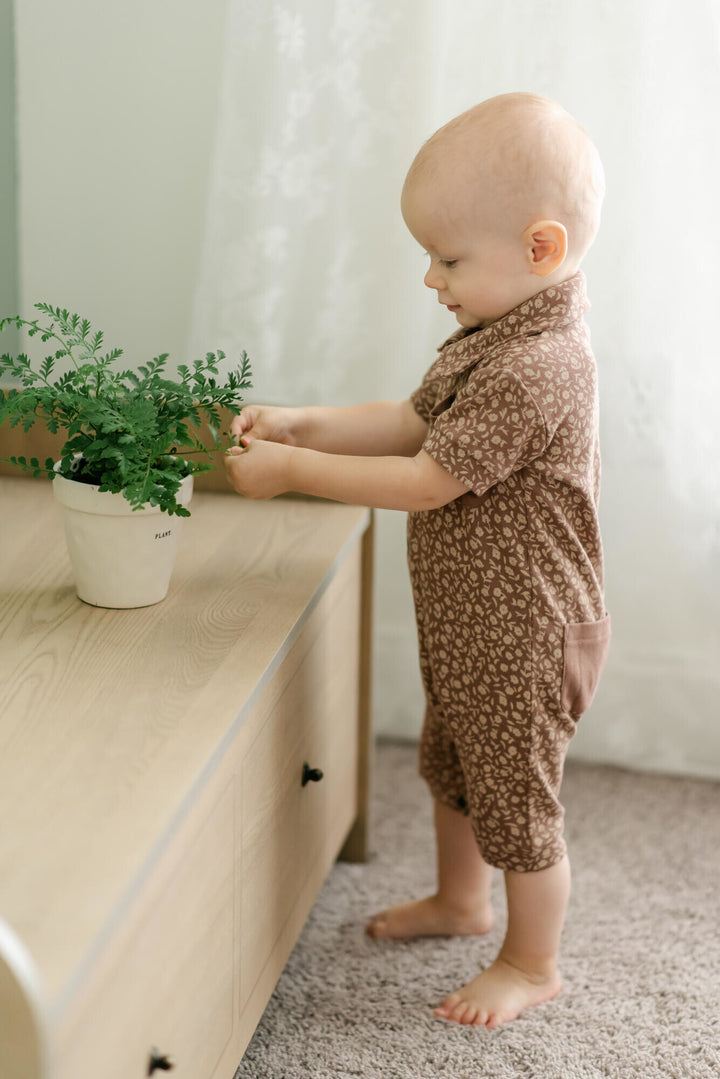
<point x="525" y="972"/>
<point x="461" y="905"/>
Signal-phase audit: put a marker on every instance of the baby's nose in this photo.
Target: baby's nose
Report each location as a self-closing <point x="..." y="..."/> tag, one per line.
<point x="433" y="279"/>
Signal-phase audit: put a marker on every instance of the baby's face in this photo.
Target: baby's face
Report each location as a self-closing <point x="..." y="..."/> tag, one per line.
<point x="478" y="266"/>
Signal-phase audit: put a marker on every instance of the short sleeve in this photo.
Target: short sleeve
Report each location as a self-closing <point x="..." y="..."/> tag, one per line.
<point x="492" y="428"/>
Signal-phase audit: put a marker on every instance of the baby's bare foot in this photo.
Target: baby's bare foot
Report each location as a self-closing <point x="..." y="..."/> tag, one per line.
<point x="498" y="995"/>
<point x="430" y="917"/>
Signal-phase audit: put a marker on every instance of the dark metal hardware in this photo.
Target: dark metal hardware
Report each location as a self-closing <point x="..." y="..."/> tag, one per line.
<point x="311" y="775"/>
<point x="159" y="1062"/>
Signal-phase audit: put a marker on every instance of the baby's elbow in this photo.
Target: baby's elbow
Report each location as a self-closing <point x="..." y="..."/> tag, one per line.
<point x="435" y="500"/>
<point x="435" y="487"/>
<point x="430" y="496"/>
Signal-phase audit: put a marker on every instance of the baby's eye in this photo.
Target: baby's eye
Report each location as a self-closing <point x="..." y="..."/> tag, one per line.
<point x="447" y="264"/>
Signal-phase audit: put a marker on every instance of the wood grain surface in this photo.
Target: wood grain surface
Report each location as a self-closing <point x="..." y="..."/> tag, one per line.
<point x="111" y="720"/>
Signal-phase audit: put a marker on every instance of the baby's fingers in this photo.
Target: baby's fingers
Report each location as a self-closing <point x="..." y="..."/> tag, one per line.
<point x="243" y="422"/>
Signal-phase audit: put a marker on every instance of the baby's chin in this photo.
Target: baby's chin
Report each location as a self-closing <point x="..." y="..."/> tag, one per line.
<point x="466" y="320"/>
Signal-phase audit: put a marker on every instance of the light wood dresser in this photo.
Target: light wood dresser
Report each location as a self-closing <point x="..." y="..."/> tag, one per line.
<point x="164" y="828"/>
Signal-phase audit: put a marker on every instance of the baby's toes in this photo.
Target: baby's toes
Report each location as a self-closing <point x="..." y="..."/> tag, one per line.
<point x="453" y="1008"/>
<point x="467" y="1014"/>
<point x="377" y="926"/>
<point x="445" y="1007"/>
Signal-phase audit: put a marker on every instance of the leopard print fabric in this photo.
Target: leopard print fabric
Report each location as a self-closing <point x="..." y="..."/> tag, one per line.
<point x="508" y="579"/>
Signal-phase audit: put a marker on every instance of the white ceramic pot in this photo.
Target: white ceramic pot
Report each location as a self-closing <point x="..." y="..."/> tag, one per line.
<point x="120" y="557"/>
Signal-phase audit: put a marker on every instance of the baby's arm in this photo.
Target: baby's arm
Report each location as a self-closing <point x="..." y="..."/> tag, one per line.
<point x="266" y="469"/>
<point x="375" y="429"/>
<point x="367" y="454"/>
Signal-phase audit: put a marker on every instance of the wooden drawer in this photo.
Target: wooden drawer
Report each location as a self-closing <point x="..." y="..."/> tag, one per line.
<point x="161" y="854"/>
<point x="339" y="714"/>
<point x="169" y="983"/>
<point x="292" y="833"/>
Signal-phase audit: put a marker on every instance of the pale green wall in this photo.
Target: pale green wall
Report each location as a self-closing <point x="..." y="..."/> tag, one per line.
<point x="8" y="177"/>
<point x="116" y="111"/>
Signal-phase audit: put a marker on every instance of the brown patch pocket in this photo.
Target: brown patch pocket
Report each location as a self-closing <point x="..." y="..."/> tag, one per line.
<point x="585" y="649"/>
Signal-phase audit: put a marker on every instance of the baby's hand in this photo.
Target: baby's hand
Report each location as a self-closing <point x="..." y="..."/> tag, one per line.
<point x="259" y="471"/>
<point x="266" y="422"/>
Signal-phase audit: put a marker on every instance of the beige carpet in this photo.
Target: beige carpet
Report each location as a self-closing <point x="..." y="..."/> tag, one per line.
<point x="641" y="954"/>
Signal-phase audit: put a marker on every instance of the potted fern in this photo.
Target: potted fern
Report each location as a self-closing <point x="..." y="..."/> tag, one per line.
<point x="132" y="447"/>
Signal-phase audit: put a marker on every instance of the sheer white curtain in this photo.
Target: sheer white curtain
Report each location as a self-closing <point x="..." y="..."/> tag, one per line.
<point x="308" y="266"/>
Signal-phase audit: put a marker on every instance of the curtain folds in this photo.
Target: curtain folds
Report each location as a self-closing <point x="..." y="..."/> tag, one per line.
<point x="308" y="266"/>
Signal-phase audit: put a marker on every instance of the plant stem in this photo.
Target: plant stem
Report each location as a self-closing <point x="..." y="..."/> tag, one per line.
<point x="49" y="333"/>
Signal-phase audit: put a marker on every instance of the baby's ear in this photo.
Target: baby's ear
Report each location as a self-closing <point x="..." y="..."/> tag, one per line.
<point x="546" y="245"/>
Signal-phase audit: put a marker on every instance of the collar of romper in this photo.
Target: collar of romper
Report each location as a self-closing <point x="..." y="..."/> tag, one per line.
<point x="551" y="309"/>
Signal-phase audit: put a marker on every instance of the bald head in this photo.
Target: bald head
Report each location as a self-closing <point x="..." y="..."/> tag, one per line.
<point x="525" y="156"/>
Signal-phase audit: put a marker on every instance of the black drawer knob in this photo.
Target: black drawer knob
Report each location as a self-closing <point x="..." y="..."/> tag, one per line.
<point x="159" y="1062"/>
<point x="311" y="775"/>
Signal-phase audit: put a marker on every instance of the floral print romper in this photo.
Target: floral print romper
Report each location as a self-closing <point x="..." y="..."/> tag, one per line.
<point x="508" y="579"/>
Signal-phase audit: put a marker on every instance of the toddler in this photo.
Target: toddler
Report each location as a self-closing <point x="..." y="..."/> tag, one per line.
<point x="495" y="457"/>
